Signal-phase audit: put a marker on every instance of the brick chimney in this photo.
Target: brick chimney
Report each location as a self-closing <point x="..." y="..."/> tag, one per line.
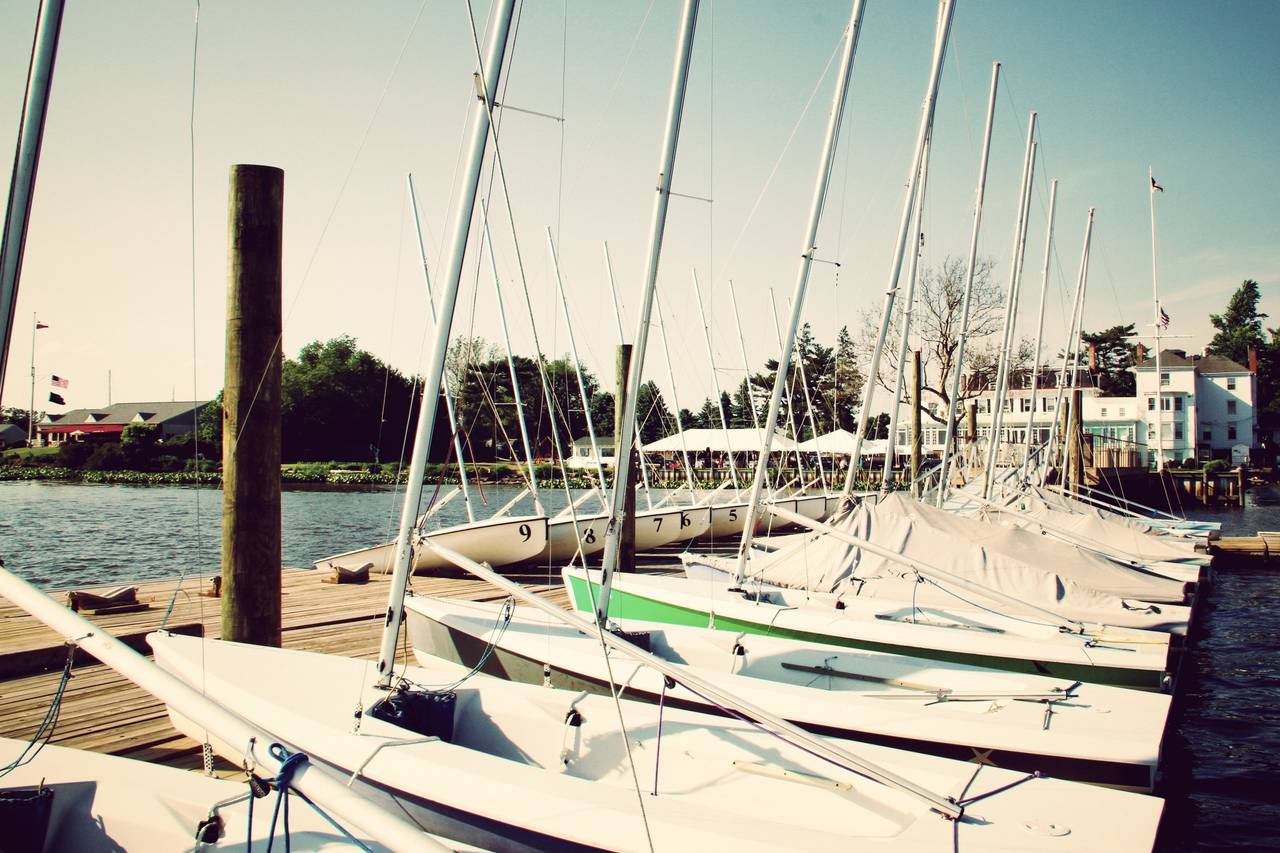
<point x="1140" y="354"/>
<point x="1093" y="357"/>
<point x="1253" y="360"/>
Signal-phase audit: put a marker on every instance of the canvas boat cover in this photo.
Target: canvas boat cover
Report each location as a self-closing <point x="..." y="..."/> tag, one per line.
<point x="1094" y="528"/>
<point x="1177" y="530"/>
<point x="1086" y="568"/>
<point x="821" y="563"/>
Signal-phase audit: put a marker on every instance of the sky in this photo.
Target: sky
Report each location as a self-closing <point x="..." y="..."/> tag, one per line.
<point x="350" y="98"/>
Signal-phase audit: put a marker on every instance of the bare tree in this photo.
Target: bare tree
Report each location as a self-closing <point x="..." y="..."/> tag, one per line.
<point x="935" y="331"/>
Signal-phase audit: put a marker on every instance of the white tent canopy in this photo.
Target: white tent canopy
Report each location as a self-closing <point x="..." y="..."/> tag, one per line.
<point x="740" y="440"/>
<point x="840" y="442"/>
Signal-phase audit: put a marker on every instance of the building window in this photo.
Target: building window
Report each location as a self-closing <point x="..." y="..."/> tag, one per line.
<point x="1122" y="412"/>
<point x="1164" y="379"/>
<point x="1104" y="413"/>
<point x="1231" y="407"/>
<point x="1208" y="435"/>
<point x="1151" y="404"/>
<point x="1231" y="383"/>
<point x="1231" y="432"/>
<point x="1165" y="403"/>
<point x="1151" y="434"/>
<point x="1177" y="431"/>
<point x="1049" y="404"/>
<point x="1177" y="404"/>
<point x="1025" y="404"/>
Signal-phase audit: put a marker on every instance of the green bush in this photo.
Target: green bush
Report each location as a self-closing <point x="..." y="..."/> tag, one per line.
<point x="1215" y="466"/>
<point x="73" y="454"/>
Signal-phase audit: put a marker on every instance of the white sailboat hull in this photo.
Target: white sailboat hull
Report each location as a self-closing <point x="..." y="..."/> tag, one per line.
<point x="1106" y="735"/>
<point x="499" y="542"/>
<point x="654" y="529"/>
<point x="531" y="767"/>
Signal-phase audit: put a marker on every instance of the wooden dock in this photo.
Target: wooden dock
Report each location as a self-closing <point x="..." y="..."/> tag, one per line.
<point x="1243" y="552"/>
<point x="103" y="712"/>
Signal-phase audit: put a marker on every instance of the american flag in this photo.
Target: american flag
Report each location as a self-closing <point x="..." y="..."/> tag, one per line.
<point x="1164" y="317"/>
<point x="58" y="382"/>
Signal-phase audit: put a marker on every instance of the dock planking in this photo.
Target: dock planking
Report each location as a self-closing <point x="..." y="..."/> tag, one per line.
<point x="103" y="712"/>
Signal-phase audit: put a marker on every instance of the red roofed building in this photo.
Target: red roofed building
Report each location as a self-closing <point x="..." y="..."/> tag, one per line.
<point x="108" y="422"/>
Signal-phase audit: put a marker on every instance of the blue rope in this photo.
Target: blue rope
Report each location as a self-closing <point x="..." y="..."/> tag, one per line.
<point x="290" y="764"/>
<point x="44" y="731"/>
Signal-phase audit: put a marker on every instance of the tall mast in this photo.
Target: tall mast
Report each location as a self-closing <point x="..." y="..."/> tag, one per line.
<point x="1010" y="307"/>
<point x="675" y="399"/>
<point x="715" y="381"/>
<point x="954" y="395"/>
<point x="908" y="305"/>
<point x="1044" y="291"/>
<point x="495" y="48"/>
<point x="577" y="365"/>
<point x="808" y="404"/>
<point x="746" y="365"/>
<point x="444" y="377"/>
<point x="807" y="249"/>
<point x="791" y="414"/>
<point x="1077" y="312"/>
<point x="1155" y="299"/>
<point x="511" y="365"/>
<point x="666" y="167"/>
<point x="945" y="16"/>
<point x="26" y="162"/>
<point x="622" y="339"/>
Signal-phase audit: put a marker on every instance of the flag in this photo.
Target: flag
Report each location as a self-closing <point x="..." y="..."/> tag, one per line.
<point x="56" y="398"/>
<point x="1155" y="186"/>
<point x="59" y="382"/>
<point x="1164" y="317"/>
<point x="40" y="325"/>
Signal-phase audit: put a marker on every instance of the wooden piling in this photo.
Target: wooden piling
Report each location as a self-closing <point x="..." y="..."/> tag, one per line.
<point x="251" y="553"/>
<point x="627" y="540"/>
<point x="971" y="420"/>
<point x="1077" y="438"/>
<point x="915" y="419"/>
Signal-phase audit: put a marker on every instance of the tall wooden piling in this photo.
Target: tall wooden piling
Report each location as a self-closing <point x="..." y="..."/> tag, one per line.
<point x="251" y="554"/>
<point x="1076" y="431"/>
<point x="627" y="540"/>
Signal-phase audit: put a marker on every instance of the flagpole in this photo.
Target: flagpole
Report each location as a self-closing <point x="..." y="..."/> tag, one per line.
<point x="31" y="413"/>
<point x="1155" y="296"/>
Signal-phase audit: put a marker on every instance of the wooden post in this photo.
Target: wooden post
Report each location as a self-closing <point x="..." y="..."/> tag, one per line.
<point x="251" y="556"/>
<point x="627" y="540"/>
<point x="915" y="419"/>
<point x="1077" y="438"/>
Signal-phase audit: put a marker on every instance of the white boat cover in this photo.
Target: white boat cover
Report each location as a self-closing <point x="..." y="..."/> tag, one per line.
<point x="822" y="563"/>
<point x="1153" y="527"/>
<point x="739" y="440"/>
<point x="1086" y="568"/>
<point x="1094" y="528"/>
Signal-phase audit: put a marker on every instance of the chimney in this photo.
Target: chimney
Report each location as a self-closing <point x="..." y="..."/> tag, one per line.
<point x="1253" y="360"/>
<point x="1140" y="354"/>
<point x="1093" y="358"/>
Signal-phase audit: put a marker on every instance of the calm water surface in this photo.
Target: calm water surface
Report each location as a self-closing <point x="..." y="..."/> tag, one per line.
<point x="1222" y="753"/>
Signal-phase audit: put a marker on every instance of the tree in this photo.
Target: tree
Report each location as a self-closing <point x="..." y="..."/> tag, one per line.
<point x="1115" y="357"/>
<point x="653" y="418"/>
<point x="1240" y="326"/>
<point x="935" y="323"/>
<point x="18" y="417"/>
<point x="846" y="382"/>
<point x="877" y="427"/>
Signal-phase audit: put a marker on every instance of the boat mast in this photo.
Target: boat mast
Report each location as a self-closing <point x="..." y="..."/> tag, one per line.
<point x="26" y="162"/>
<point x="487" y="90"/>
<point x="1077" y="312"/>
<point x="1010" y="307"/>
<point x="675" y="399"/>
<point x="577" y="367"/>
<point x="1155" y="298"/>
<point x="954" y="396"/>
<point x="715" y="381"/>
<point x="622" y="339"/>
<point x="1044" y="291"/>
<point x="807" y="249"/>
<point x="791" y="414"/>
<point x="746" y="365"/>
<point x="946" y="13"/>
<point x="808" y="402"/>
<point x="908" y="305"/>
<point x="444" y="377"/>
<point x="511" y="364"/>
<point x="658" y="224"/>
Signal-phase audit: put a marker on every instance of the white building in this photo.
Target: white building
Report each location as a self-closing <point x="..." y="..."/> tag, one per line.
<point x="1206" y="402"/>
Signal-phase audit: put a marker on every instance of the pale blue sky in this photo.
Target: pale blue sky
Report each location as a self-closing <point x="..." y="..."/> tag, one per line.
<point x="1192" y="89"/>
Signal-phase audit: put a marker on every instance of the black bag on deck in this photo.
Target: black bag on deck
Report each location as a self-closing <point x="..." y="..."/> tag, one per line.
<point x="427" y="712"/>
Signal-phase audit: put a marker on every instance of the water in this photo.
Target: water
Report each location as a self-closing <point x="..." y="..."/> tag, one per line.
<point x="72" y="535"/>
<point x="1222" y="751"/>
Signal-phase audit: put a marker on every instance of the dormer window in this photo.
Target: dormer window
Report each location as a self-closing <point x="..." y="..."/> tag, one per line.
<point x="1164" y="378"/>
<point x="1231" y="383"/>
